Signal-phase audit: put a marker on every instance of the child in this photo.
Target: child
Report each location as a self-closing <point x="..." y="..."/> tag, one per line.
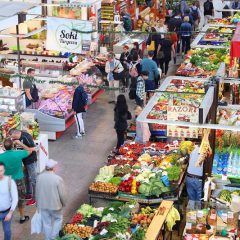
<point x="140" y="89"/>
<point x="142" y="129"/>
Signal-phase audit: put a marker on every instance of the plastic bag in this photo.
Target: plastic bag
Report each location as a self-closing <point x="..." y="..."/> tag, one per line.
<point x="36" y="223"/>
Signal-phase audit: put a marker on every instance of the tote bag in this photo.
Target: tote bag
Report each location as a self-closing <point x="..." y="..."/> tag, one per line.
<point x="36" y="223"/>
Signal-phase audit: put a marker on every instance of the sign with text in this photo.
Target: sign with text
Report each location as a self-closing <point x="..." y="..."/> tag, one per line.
<point x="61" y="34"/>
<point x="183" y="114"/>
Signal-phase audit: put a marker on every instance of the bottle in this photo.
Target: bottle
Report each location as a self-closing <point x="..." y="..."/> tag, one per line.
<point x="229" y="171"/>
<point x="215" y="163"/>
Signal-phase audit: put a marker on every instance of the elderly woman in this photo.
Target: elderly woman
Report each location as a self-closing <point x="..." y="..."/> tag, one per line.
<point x="186" y="34"/>
<point x="114" y="70"/>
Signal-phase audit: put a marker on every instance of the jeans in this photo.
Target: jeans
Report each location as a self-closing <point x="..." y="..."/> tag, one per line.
<point x="185" y="44"/>
<point x="6" y="226"/>
<point x="80" y="123"/>
<point x="113" y="94"/>
<point x="31" y="178"/>
<point x="52" y="223"/>
<point x="194" y="188"/>
<point x="120" y="138"/>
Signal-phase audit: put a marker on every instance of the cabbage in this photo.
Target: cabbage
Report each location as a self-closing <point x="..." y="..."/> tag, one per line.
<point x="87" y="210"/>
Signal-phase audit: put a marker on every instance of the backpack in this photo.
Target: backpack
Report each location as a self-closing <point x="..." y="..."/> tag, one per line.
<point x="34" y="93"/>
<point x="194" y="13"/>
<point x="133" y="72"/>
<point x="207" y="6"/>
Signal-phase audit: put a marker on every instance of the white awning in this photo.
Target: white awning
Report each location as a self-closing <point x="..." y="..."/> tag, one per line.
<point x="9" y="12"/>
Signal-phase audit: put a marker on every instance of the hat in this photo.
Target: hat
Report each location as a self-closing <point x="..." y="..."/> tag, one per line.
<point x="51" y="163"/>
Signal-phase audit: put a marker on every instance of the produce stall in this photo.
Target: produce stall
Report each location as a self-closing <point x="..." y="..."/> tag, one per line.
<point x="204" y="63"/>
<point x="214" y="36"/>
<point x="145" y="173"/>
<point x="121" y="220"/>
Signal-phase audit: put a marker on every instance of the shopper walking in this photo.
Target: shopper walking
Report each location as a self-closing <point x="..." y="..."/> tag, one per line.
<point x="114" y="69"/>
<point x="196" y="15"/>
<point x="125" y="60"/>
<point x="12" y="159"/>
<point x="8" y="201"/>
<point x="136" y="49"/>
<point x="79" y="103"/>
<point x="149" y="65"/>
<point x="25" y="140"/>
<point x="186" y="33"/>
<point x="134" y="72"/>
<point x="208" y="11"/>
<point x="31" y="92"/>
<point x="165" y="52"/>
<point x="236" y="4"/>
<point x="121" y="115"/>
<point x="153" y="41"/>
<point x="143" y="133"/>
<point x="184" y="7"/>
<point x="51" y="198"/>
<point x="194" y="177"/>
<point x="140" y="89"/>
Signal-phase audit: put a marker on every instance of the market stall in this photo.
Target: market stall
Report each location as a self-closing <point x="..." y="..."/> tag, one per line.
<point x="121" y="221"/>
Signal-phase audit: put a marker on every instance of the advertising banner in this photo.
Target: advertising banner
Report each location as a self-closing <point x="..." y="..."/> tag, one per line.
<point x="61" y="35"/>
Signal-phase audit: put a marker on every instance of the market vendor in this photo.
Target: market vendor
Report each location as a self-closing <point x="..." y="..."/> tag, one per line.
<point x="194" y="176"/>
<point x="31" y="92"/>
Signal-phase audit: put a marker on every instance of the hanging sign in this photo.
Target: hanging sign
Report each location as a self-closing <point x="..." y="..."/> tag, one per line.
<point x="183" y="114"/>
<point x="61" y="34"/>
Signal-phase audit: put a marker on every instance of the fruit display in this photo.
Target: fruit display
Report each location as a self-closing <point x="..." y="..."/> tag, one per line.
<point x="228" y="116"/>
<point x="160" y="109"/>
<point x="81" y="231"/>
<point x="143" y="170"/>
<point x="235" y="18"/>
<point x="202" y="62"/>
<point x="220" y="21"/>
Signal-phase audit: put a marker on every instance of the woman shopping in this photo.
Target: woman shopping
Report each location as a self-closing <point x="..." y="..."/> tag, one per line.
<point x="165" y="52"/>
<point x="114" y="69"/>
<point x="121" y="115"/>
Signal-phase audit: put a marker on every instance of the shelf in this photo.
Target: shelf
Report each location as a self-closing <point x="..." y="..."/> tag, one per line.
<point x="32" y="55"/>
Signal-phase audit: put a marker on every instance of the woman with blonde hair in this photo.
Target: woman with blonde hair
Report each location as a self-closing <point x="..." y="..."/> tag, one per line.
<point x="186" y="34"/>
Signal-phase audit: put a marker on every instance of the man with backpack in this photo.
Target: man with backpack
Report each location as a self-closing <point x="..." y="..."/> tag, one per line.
<point x="79" y="103"/>
<point x="30" y="89"/>
<point x="208" y="11"/>
<point x="140" y="90"/>
<point x="8" y="201"/>
<point x="195" y="13"/>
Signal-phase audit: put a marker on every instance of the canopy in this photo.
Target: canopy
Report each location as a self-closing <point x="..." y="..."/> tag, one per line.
<point x="9" y="12"/>
<point x="235" y="44"/>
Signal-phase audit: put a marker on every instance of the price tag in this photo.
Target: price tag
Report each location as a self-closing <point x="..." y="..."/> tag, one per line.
<point x="188" y="226"/>
<point x="230" y="215"/>
<point x="200" y="214"/>
<point x="224" y="177"/>
<point x="103" y="232"/>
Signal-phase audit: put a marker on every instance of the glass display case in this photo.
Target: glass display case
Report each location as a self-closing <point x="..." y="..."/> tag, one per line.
<point x="11" y="100"/>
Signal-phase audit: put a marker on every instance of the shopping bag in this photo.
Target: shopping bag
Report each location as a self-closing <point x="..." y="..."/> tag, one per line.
<point x="36" y="223"/>
<point x="151" y="47"/>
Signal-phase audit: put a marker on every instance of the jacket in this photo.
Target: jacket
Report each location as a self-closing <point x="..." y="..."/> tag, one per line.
<point x="186" y="29"/>
<point x="150" y="66"/>
<point x="120" y="119"/>
<point x="117" y="65"/>
<point x="122" y="59"/>
<point x="78" y="103"/>
<point x="50" y="191"/>
<point x="184" y="7"/>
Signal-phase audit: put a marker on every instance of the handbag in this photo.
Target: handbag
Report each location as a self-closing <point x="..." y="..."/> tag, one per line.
<point x="117" y="76"/>
<point x="151" y="47"/>
<point x="160" y="55"/>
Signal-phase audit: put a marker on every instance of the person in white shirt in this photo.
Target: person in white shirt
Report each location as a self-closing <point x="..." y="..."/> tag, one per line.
<point x="8" y="201"/>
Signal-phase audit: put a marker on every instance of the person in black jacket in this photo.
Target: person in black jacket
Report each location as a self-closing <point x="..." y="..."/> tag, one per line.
<point x="121" y="115"/>
<point x="78" y="105"/>
<point x="125" y="60"/>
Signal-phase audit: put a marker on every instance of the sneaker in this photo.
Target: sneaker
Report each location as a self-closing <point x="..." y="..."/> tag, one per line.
<point x="110" y="102"/>
<point x="31" y="202"/>
<point x="26" y="218"/>
<point x="28" y="197"/>
<point x="83" y="134"/>
<point x="77" y="136"/>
